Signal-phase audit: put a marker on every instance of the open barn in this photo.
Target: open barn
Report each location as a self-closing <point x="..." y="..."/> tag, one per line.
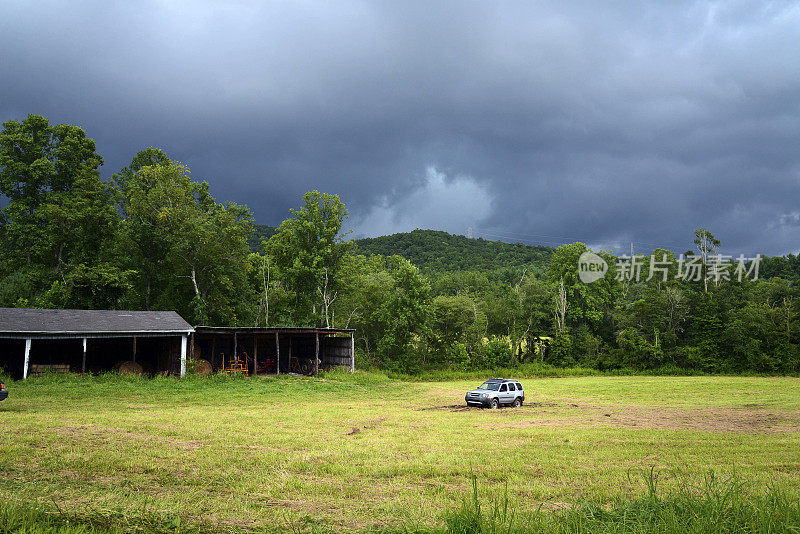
<point x="34" y="341"/>
<point x="273" y="350"/>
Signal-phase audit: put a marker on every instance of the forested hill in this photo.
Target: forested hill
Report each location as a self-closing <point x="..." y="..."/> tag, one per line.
<point x="433" y="250"/>
<point x="261" y="232"/>
<point x="436" y="251"/>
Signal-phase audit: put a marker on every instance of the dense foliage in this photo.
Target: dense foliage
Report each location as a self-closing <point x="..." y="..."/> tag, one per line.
<point x="153" y="238"/>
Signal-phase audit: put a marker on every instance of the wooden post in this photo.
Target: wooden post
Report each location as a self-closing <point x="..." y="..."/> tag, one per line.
<point x="27" y="357"/>
<point x="191" y="346"/>
<point x="290" y="353"/>
<point x="183" y="355"/>
<point x="255" y="355"/>
<point x="134" y="354"/>
<point x="83" y="363"/>
<point x="277" y="354"/>
<point x="235" y="352"/>
<point x="214" y="351"/>
<point x="316" y="356"/>
<point x="352" y="353"/>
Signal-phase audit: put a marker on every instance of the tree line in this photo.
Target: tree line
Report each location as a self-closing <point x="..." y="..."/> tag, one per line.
<point x="151" y="237"/>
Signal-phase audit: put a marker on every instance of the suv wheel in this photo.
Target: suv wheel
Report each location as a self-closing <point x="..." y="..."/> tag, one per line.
<point x="517" y="402"/>
<point x="495" y="404"/>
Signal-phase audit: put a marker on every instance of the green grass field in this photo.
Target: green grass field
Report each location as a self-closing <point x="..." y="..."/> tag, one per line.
<point x="356" y="452"/>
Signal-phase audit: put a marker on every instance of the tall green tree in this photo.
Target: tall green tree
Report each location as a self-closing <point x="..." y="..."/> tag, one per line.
<point x="406" y="317"/>
<point x="707" y="246"/>
<point x="190" y="252"/>
<point x="308" y="249"/>
<point x="60" y="218"/>
<point x="590" y="303"/>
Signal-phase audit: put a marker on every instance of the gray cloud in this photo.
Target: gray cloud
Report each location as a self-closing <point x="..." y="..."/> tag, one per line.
<point x="605" y="123"/>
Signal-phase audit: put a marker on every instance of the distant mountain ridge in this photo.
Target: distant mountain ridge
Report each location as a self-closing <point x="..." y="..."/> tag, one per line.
<point x="261" y="232"/>
<point x="434" y="250"/>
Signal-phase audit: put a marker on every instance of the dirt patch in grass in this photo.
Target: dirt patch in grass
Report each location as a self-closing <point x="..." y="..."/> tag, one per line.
<point x="449" y="408"/>
<point x="365" y="425"/>
<point x="746" y="419"/>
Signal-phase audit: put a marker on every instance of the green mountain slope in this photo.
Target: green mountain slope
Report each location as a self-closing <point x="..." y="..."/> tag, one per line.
<point x="433" y="250"/>
<point x="261" y="232"/>
<point x="436" y="251"/>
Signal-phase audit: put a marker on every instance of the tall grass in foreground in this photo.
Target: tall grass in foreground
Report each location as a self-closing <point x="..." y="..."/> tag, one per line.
<point x="714" y="506"/>
<point x="24" y="519"/>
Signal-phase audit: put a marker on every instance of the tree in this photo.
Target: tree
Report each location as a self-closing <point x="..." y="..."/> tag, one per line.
<point x="405" y="315"/>
<point x="186" y="245"/>
<point x="308" y="250"/>
<point x="145" y="245"/>
<point x="60" y="219"/>
<point x="39" y="167"/>
<point x="707" y="245"/>
<point x="456" y="328"/>
<point x="587" y="304"/>
<point x="525" y="309"/>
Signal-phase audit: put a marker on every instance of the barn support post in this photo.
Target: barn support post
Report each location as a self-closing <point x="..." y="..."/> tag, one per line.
<point x="183" y="355"/>
<point x="191" y="346"/>
<point x="255" y="355"/>
<point x="235" y="353"/>
<point x="83" y="362"/>
<point x="316" y="356"/>
<point x="290" y="353"/>
<point x="214" y="352"/>
<point x="277" y="354"/>
<point x="352" y="353"/>
<point x="27" y="357"/>
<point x="134" y="354"/>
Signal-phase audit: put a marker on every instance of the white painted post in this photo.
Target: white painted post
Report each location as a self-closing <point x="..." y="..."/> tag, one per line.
<point x="255" y="355"/>
<point x="83" y="363"/>
<point x="352" y="353"/>
<point x="27" y="357"/>
<point x="316" y="357"/>
<point x="183" y="355"/>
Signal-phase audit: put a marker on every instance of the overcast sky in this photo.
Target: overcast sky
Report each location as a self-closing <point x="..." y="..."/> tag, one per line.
<point x="540" y="122"/>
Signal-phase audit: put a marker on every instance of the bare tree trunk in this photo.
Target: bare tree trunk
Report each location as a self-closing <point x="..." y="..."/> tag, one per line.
<point x="58" y="257"/>
<point x="561" y="308"/>
<point x="194" y="284"/>
<point x="265" y="280"/>
<point x="147" y="292"/>
<point x="327" y="299"/>
<point x="787" y="305"/>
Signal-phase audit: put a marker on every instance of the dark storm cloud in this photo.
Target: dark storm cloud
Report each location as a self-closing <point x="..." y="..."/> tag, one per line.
<point x="543" y="122"/>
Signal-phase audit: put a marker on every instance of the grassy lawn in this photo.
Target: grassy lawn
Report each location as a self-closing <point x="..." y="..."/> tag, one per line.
<point x="360" y="451"/>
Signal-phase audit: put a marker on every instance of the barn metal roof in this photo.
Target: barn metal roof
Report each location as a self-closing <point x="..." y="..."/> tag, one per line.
<point x="230" y="330"/>
<point x="26" y="322"/>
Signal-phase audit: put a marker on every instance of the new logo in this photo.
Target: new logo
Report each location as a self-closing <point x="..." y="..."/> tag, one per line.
<point x="591" y="267"/>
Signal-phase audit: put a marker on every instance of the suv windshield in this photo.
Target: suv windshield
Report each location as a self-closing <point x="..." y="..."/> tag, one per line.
<point x="494" y="386"/>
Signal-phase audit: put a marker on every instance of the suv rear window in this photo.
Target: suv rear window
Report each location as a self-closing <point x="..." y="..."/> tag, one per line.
<point x="519" y="386"/>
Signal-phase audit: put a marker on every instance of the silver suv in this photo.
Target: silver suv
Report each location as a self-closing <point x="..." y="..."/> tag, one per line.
<point x="496" y="391"/>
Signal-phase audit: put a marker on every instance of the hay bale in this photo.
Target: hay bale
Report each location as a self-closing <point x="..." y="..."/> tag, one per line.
<point x="202" y="367"/>
<point x="128" y="368"/>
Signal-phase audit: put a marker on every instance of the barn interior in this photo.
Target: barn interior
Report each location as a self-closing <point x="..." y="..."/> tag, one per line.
<point x="150" y="355"/>
<point x="255" y="350"/>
